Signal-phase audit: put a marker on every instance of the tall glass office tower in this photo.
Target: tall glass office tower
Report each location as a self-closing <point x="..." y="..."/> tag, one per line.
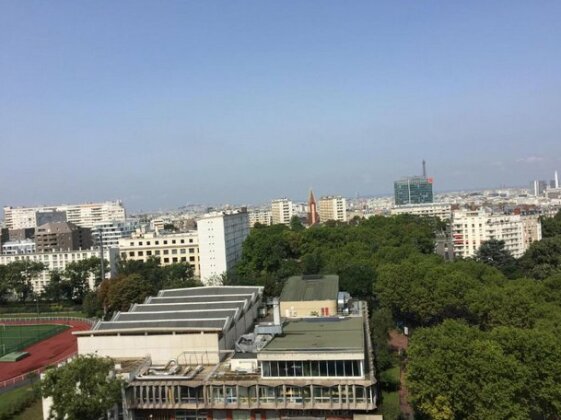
<point x="413" y="190"/>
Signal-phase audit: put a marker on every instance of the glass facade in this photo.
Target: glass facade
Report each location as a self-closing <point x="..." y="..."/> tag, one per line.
<point x="413" y="190"/>
<point x="312" y="368"/>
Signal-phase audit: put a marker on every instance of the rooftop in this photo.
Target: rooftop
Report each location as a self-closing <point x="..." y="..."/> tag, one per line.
<point x="310" y="287"/>
<point x="320" y="334"/>
<point x="189" y="310"/>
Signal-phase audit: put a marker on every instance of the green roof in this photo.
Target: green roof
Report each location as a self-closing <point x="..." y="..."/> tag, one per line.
<point x="320" y="334"/>
<point x="311" y="287"/>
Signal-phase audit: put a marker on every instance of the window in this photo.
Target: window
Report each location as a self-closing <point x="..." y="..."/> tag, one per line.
<point x="173" y="241"/>
<point x="165" y="242"/>
<point x="174" y="251"/>
<point x="157" y="242"/>
<point x="182" y="241"/>
<point x="192" y="259"/>
<point x="140" y="243"/>
<point x="148" y="253"/>
<point x="131" y="254"/>
<point x="174" y="259"/>
<point x="191" y="250"/>
<point x="182" y="251"/>
<point x="147" y="242"/>
<point x="166" y="260"/>
<point x="140" y="253"/>
<point x="166" y="251"/>
<point x="157" y="252"/>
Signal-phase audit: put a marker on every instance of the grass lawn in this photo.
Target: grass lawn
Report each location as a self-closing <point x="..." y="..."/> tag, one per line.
<point x="18" y="337"/>
<point x="390" y="405"/>
<point x="17" y="398"/>
<point x="34" y="412"/>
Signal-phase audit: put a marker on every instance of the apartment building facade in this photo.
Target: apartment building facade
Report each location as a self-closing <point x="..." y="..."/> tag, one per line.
<point x="282" y="211"/>
<point x="62" y="236"/>
<point x="58" y="261"/>
<point x="83" y="215"/>
<point x="261" y="216"/>
<point x="332" y="208"/>
<point x="471" y="228"/>
<point x="169" y="248"/>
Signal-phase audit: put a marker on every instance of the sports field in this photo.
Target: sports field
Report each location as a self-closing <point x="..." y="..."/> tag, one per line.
<point x="18" y="337"/>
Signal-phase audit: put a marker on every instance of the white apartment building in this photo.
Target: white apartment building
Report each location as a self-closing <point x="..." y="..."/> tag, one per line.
<point x="221" y="235"/>
<point x="441" y="210"/>
<point x="282" y="211"/>
<point x="472" y="228"/>
<point x="83" y="215"/>
<point x="24" y="246"/>
<point x="332" y="208"/>
<point x="58" y="260"/>
<point x="169" y="248"/>
<point x="110" y="232"/>
<point x="264" y="217"/>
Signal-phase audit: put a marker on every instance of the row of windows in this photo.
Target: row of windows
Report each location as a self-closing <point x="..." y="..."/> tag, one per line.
<point x="314" y="368"/>
<point x="264" y="394"/>
<point x="165" y="242"/>
<point x="157" y="252"/>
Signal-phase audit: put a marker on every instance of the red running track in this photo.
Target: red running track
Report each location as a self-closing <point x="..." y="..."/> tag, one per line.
<point x="45" y="352"/>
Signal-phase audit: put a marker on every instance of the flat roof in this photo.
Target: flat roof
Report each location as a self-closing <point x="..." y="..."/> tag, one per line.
<point x="320" y="334"/>
<point x="310" y="287"/>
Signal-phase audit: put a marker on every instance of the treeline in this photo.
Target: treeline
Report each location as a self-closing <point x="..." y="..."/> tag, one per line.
<point x="485" y="331"/>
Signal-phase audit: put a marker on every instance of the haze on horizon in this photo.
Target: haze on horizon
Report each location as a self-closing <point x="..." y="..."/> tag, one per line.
<point x="165" y="103"/>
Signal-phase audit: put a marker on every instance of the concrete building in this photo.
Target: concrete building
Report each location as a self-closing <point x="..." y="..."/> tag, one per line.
<point x="59" y="236"/>
<point x="83" y="215"/>
<point x="282" y="211"/>
<point x="309" y="296"/>
<point x="201" y="353"/>
<point x="332" y="208"/>
<point x="441" y="210"/>
<point x="195" y="324"/>
<point x="221" y="235"/>
<point x="58" y="260"/>
<point x="261" y="216"/>
<point x="472" y="228"/>
<point x="169" y="248"/>
<point x="110" y="232"/>
<point x="25" y="246"/>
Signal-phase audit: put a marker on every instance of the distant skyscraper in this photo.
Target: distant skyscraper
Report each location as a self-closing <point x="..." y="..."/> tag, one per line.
<point x="413" y="190"/>
<point x="313" y="216"/>
<point x="556" y="179"/>
<point x="538" y="188"/>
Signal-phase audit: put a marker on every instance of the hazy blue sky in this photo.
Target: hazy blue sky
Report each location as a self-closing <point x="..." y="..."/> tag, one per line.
<point x="161" y="103"/>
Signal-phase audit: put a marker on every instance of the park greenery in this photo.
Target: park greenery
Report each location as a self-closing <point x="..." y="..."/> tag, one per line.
<point x="486" y="332"/>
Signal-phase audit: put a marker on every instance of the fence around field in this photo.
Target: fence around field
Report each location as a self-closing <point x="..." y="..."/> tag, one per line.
<point x="32" y="376"/>
<point x="16" y="337"/>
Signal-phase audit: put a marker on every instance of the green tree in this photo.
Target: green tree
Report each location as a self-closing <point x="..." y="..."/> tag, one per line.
<point x="542" y="259"/>
<point x="296" y="224"/>
<point x="458" y="369"/>
<point x="19" y="277"/>
<point x="494" y="253"/>
<point x="127" y="290"/>
<point x="84" y="388"/>
<point x="551" y="226"/>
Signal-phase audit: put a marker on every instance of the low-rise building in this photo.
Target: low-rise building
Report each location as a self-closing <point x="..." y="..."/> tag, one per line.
<point x="309" y="295"/>
<point x="25" y="246"/>
<point x="110" y="232"/>
<point x="441" y="210"/>
<point x="201" y="353"/>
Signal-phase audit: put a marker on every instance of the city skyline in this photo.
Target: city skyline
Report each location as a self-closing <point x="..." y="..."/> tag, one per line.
<point x="165" y="104"/>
